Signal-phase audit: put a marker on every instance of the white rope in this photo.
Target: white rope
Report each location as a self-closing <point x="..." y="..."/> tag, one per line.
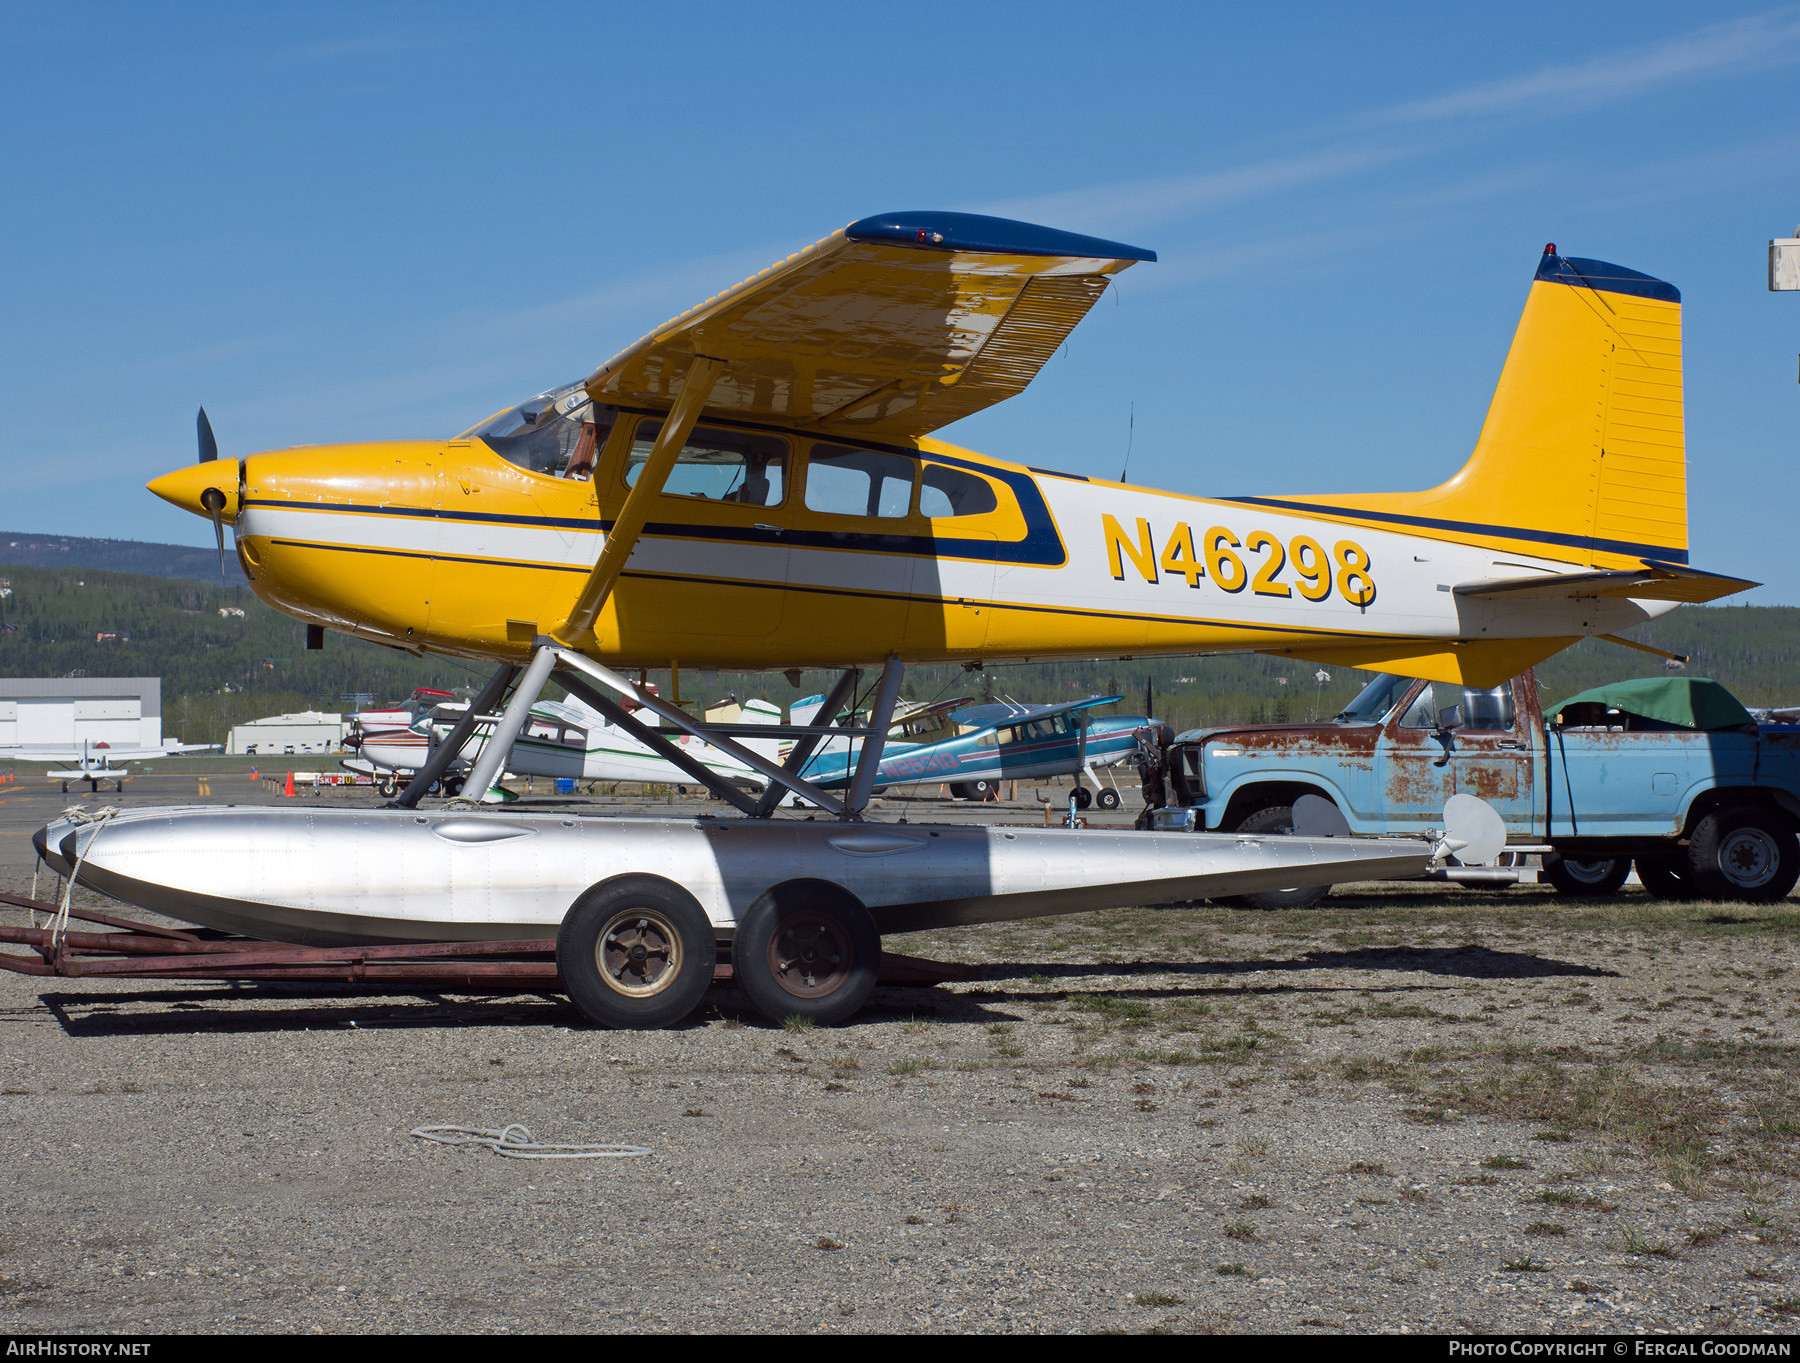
<point x="75" y="814"/>
<point x="522" y="1146"/>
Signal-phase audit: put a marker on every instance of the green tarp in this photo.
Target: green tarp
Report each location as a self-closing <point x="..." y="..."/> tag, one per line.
<point x="1690" y="702"/>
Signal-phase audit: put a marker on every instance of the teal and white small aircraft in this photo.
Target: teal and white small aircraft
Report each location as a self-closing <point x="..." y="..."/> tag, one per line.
<point x="1004" y="741"/>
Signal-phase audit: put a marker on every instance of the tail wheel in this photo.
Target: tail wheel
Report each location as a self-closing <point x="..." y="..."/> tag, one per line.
<point x="636" y="953"/>
<point x="1746" y="854"/>
<point x="1586" y="877"/>
<point x="1107" y="799"/>
<point x="808" y="950"/>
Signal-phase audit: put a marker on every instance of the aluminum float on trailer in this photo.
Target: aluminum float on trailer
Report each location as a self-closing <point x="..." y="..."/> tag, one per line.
<point x="638" y="907"/>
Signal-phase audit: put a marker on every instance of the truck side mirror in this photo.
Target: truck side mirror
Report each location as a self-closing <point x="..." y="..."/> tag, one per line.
<point x="1449" y="720"/>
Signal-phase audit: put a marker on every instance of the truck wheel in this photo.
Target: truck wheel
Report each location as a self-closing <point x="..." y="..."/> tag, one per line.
<point x="636" y="952"/>
<point x="1743" y="853"/>
<point x="1275" y="819"/>
<point x="806" y="949"/>
<point x="1661" y="878"/>
<point x="1586" y="877"/>
<point x="1107" y="799"/>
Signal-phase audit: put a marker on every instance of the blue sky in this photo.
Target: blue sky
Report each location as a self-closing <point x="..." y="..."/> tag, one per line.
<point x="365" y="221"/>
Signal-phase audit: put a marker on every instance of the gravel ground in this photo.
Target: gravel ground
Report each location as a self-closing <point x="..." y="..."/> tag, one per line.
<point x="1410" y="1109"/>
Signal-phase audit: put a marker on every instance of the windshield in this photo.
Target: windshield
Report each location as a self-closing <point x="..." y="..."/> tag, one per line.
<point x="557" y="433"/>
<point x="1375" y="699"/>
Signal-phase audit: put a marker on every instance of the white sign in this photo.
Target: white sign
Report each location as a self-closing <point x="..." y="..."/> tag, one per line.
<point x="1784" y="264"/>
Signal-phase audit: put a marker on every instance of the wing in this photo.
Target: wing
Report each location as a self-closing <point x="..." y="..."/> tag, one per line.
<point x="892" y="327"/>
<point x="1654" y="582"/>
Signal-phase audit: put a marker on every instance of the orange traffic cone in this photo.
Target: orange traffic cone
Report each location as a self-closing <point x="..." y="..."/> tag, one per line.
<point x="289" y="792"/>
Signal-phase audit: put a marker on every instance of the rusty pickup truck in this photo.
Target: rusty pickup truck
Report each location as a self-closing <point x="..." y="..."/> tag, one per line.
<point x="1670" y="774"/>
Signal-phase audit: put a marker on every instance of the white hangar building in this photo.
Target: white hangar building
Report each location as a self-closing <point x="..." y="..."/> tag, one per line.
<point x="62" y="712"/>
<point x="310" y="731"/>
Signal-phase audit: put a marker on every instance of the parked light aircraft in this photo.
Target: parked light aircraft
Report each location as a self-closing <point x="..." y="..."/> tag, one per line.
<point x="1004" y="742"/>
<point x="755" y="485"/>
<point x="94" y="761"/>
<point x="562" y="739"/>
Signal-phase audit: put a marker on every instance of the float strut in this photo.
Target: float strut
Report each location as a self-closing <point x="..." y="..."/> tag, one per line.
<point x="869" y="760"/>
<point x="805" y="745"/>
<point x="451" y="748"/>
<point x="492" y="760"/>
<point x="617" y="714"/>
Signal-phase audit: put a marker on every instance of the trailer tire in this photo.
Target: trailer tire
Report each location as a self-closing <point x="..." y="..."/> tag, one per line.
<point x="1663" y="878"/>
<point x="1586" y="877"/>
<point x="1274" y="819"/>
<point x="636" y="953"/>
<point x="1744" y="853"/>
<point x="1107" y="799"/>
<point x="806" y="949"/>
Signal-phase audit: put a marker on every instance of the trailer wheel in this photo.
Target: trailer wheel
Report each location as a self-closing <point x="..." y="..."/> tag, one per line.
<point x="636" y="953"/>
<point x="1275" y="819"/>
<point x="1662" y="878"/>
<point x="1744" y="853"/>
<point x="806" y="949"/>
<point x="1107" y="799"/>
<point x="1586" y="877"/>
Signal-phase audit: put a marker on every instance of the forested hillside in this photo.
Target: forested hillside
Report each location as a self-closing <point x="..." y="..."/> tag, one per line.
<point x="219" y="670"/>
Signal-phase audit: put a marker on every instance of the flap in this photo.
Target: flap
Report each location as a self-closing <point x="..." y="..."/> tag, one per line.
<point x="893" y="327"/>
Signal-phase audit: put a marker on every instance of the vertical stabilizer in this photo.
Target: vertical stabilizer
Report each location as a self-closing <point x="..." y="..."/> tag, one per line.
<point x="1583" y="453"/>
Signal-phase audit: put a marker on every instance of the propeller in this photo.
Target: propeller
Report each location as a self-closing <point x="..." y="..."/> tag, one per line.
<point x="212" y="499"/>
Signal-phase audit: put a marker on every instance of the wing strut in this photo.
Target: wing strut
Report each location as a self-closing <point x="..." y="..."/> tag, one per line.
<point x="629" y="523"/>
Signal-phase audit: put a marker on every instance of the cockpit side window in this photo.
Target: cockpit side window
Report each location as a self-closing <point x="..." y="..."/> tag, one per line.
<point x="557" y="434"/>
<point x="718" y="465"/>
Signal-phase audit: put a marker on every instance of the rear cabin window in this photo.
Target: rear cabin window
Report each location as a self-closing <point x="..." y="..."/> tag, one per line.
<point x="718" y="465"/>
<point x="844" y="481"/>
<point x="946" y="492"/>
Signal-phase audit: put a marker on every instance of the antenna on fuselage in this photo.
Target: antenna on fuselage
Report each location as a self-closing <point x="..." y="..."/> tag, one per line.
<point x="1130" y="435"/>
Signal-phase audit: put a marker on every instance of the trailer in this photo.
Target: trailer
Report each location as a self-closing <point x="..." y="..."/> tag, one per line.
<point x="630" y="917"/>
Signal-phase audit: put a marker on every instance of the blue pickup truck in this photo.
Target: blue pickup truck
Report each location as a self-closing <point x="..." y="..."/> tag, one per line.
<point x="1669" y="773"/>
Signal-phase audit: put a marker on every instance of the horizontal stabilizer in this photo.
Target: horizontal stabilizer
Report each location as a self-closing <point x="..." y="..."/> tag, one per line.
<point x="1653" y="582"/>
